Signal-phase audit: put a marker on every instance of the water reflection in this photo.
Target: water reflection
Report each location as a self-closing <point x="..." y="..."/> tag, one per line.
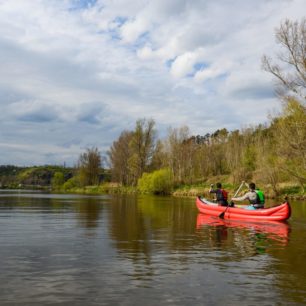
<point x="278" y="231"/>
<point x="117" y="249"/>
<point x="146" y="230"/>
<point x="89" y="212"/>
<point x="242" y="239"/>
<point x="146" y="218"/>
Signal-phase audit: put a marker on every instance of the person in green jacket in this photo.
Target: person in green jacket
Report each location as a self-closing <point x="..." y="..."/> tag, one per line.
<point x="255" y="196"/>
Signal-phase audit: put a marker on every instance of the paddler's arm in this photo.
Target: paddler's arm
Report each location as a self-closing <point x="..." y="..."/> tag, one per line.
<point x="243" y="198"/>
<point x="211" y="190"/>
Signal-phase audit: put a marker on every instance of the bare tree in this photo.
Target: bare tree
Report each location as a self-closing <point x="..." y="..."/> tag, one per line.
<point x="89" y="166"/>
<point x="119" y="155"/>
<point x="142" y="147"/>
<point x="290" y="69"/>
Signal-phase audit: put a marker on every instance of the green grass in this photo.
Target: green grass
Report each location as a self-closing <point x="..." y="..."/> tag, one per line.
<point x="291" y="190"/>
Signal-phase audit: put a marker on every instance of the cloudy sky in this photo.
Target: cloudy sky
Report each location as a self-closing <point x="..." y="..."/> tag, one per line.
<point x="76" y="73"/>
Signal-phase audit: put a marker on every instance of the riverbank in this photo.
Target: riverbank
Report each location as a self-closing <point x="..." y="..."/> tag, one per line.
<point x="291" y="191"/>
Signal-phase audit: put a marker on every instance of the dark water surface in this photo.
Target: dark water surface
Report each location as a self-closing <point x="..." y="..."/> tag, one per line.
<point x="110" y="250"/>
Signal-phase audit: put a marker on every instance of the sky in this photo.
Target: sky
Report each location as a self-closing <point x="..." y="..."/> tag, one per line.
<point x="76" y="73"/>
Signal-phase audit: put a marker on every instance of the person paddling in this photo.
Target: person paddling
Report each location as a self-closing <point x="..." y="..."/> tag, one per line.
<point x="255" y="196"/>
<point x="221" y="194"/>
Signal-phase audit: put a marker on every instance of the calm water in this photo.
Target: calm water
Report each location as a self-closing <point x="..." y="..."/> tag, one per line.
<point x="106" y="250"/>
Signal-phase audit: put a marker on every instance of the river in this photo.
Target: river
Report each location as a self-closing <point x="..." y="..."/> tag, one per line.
<point x="59" y="249"/>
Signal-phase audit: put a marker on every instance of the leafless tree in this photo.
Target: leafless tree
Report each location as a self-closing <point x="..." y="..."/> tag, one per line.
<point x="290" y="67"/>
<point x="89" y="166"/>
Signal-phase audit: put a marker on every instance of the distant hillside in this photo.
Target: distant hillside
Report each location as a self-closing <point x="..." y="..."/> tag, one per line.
<point x="37" y="176"/>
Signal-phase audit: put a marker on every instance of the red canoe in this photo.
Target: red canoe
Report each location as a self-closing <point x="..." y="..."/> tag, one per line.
<point x="281" y="212"/>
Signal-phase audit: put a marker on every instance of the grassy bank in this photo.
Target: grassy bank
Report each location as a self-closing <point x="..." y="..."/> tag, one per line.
<point x="107" y="188"/>
<point x="292" y="191"/>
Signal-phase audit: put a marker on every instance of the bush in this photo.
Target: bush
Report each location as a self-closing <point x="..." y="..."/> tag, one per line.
<point x="157" y="182"/>
<point x="71" y="183"/>
<point x="58" y="180"/>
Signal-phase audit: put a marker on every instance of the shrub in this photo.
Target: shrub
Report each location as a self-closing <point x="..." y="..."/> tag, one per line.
<point x="157" y="182"/>
<point x="71" y="183"/>
<point x="57" y="180"/>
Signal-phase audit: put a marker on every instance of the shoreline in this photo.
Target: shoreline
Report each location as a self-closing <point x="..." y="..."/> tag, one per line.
<point x="183" y="191"/>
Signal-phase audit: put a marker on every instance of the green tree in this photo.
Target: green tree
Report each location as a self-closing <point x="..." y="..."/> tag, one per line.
<point x="290" y="131"/>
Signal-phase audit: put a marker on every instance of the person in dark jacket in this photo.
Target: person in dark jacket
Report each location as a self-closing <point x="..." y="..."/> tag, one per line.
<point x="221" y="194"/>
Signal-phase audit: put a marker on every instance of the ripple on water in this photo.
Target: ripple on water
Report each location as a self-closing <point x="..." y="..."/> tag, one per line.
<point x="78" y="252"/>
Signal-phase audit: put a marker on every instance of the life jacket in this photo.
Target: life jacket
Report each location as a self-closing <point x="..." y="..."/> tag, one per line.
<point x="260" y="196"/>
<point x="259" y="201"/>
<point x="222" y="195"/>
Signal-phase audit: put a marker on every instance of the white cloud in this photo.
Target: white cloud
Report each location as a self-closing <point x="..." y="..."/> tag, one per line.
<point x="131" y="30"/>
<point x="183" y="64"/>
<point x="86" y="73"/>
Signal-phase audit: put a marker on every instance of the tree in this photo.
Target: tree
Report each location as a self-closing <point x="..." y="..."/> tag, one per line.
<point x="159" y="157"/>
<point x="290" y="131"/>
<point x="267" y="168"/>
<point x="89" y="166"/>
<point x="134" y="153"/>
<point x="179" y="156"/>
<point x="119" y="155"/>
<point x="290" y="71"/>
<point x="141" y="147"/>
<point x="233" y="155"/>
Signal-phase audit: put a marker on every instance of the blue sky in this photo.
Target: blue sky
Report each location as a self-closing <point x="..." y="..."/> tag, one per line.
<point x="76" y="73"/>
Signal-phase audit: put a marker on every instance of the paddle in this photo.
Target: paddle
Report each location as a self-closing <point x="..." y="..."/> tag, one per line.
<point x="223" y="213"/>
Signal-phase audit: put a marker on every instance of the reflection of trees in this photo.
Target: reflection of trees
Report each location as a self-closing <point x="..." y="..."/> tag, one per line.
<point x="130" y="229"/>
<point x="135" y="221"/>
<point x="143" y="227"/>
<point x="159" y="235"/>
<point x="291" y="263"/>
<point x="89" y="210"/>
<point x="291" y="267"/>
<point x="39" y="200"/>
<point x="150" y="230"/>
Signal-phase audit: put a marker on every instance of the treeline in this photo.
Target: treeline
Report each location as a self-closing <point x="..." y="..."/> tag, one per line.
<point x="86" y="173"/>
<point x="34" y="177"/>
<point x="268" y="154"/>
